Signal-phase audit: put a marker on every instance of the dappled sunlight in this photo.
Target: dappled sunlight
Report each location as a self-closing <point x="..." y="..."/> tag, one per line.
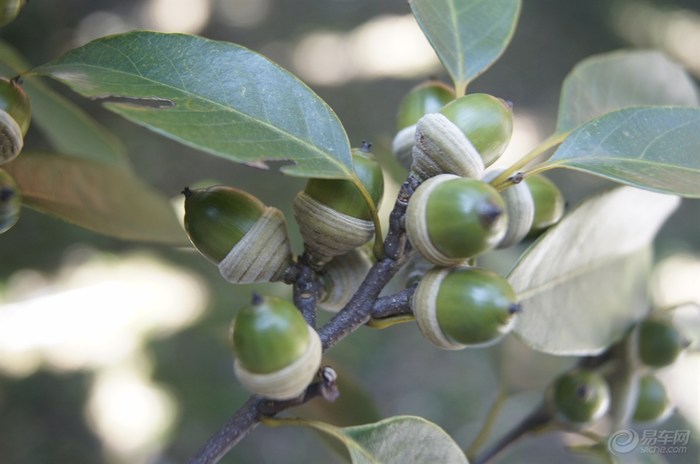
<point x="242" y="13"/>
<point x="674" y="30"/>
<point x="187" y="16"/>
<point x="98" y="313"/>
<point x="384" y="47"/>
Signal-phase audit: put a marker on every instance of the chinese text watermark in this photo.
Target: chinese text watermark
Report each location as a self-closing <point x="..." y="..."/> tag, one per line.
<point x="649" y="442"/>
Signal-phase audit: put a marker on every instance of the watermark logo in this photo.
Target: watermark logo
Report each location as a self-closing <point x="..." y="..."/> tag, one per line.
<point x="623" y="441"/>
<point x="652" y="441"/>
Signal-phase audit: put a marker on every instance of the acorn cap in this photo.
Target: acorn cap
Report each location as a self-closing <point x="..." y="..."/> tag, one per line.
<point x="246" y="239"/>
<point x="520" y="209"/>
<point x="332" y="215"/>
<point x="10" y="201"/>
<point x="342" y="195"/>
<point x="341" y="278"/>
<point x="487" y="122"/>
<point x="450" y="219"/>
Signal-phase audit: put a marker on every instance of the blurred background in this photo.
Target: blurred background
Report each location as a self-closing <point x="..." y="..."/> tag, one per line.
<point x="117" y="352"/>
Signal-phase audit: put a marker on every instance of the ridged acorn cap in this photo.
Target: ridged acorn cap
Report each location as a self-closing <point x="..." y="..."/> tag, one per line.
<point x="487" y="122"/>
<point x="450" y="219"/>
<point x="520" y="208"/>
<point x="277" y="353"/>
<point x="15" y="116"/>
<point x="457" y="308"/>
<point x="427" y="97"/>
<point x="341" y="278"/>
<point x="332" y="215"/>
<point x="578" y="398"/>
<point x="246" y="239"/>
<point x="10" y="202"/>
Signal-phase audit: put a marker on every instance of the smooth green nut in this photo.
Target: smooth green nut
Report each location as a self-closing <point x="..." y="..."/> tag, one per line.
<point x="659" y="343"/>
<point x="487" y="121"/>
<point x="217" y="218"/>
<point x="549" y="203"/>
<point x="269" y="334"/>
<point x="653" y="404"/>
<point x="9" y="9"/>
<point x="426" y="97"/>
<point x="451" y="219"/>
<point x="464" y="307"/>
<point x="277" y="353"/>
<point x="10" y="202"/>
<point x="342" y="195"/>
<point x="578" y="397"/>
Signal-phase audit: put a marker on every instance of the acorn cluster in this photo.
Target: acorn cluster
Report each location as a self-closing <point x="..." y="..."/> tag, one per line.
<point x="15" y="116"/>
<point x="455" y="214"/>
<point x="581" y="396"/>
<point x="277" y="354"/>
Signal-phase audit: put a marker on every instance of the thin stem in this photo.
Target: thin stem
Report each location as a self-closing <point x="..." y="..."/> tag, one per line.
<point x="485" y="431"/>
<point x="306" y="291"/>
<point x="501" y="181"/>
<point x="535" y="421"/>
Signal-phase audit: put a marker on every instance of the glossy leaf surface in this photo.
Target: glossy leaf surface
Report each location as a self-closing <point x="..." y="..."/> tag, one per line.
<point x="654" y="148"/>
<point x="467" y="35"/>
<point x="214" y="96"/>
<point x="67" y="127"/>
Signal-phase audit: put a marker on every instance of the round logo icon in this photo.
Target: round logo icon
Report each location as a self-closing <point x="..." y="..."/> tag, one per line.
<point x="623" y="441"/>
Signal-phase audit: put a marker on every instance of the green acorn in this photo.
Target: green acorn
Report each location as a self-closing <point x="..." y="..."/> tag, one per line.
<point x="9" y="9"/>
<point x="659" y="343"/>
<point x="578" y="398"/>
<point x="451" y="219"/>
<point x="653" y="405"/>
<point x="548" y="200"/>
<point x="427" y="97"/>
<point x="457" y="308"/>
<point x="15" y="116"/>
<point x="520" y="209"/>
<point x="466" y="135"/>
<point x="277" y="352"/>
<point x="10" y="202"/>
<point x="233" y="229"/>
<point x="332" y="215"/>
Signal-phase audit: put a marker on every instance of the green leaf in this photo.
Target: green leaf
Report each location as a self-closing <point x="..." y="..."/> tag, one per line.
<point x="67" y="127"/>
<point x="214" y="96"/>
<point x="105" y="199"/>
<point x="467" y="35"/>
<point x="654" y="148"/>
<point x="585" y="281"/>
<point x="396" y="440"/>
<point x="612" y="81"/>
